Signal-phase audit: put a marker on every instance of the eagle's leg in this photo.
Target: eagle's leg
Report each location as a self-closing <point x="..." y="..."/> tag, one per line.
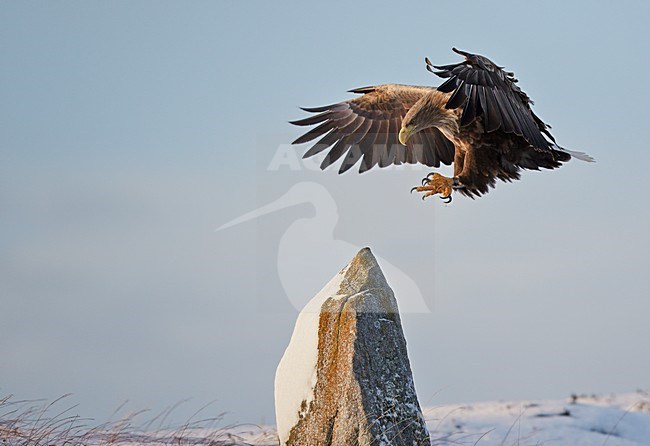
<point x="437" y="184"/>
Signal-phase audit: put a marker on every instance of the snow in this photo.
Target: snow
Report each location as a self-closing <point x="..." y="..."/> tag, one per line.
<point x="613" y="420"/>
<point x="605" y="420"/>
<point x="295" y="377"/>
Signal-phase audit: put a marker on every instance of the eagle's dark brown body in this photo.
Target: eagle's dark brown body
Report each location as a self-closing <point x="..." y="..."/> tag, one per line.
<point x="478" y="119"/>
<point x="482" y="157"/>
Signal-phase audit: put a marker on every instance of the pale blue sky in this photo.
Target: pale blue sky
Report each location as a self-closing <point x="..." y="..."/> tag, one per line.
<point x="130" y="130"/>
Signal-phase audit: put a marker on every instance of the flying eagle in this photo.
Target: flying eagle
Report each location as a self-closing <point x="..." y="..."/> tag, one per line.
<point x="478" y="119"/>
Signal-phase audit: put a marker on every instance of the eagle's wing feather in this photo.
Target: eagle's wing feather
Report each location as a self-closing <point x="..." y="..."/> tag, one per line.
<point x="485" y="90"/>
<point x="367" y="128"/>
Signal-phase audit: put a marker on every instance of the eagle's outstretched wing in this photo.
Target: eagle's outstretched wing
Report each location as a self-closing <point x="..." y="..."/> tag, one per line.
<point x="484" y="89"/>
<point x="368" y="126"/>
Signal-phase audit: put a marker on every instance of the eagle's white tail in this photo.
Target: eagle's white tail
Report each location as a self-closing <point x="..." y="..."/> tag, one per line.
<point x="578" y="155"/>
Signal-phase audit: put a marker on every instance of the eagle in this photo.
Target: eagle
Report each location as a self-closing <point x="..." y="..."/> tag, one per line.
<point x="478" y="119"/>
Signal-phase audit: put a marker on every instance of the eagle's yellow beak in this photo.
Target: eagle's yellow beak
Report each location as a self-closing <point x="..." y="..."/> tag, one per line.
<point x="405" y="133"/>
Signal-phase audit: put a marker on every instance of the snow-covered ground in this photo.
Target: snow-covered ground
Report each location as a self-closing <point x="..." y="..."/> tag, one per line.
<point x="607" y="420"/>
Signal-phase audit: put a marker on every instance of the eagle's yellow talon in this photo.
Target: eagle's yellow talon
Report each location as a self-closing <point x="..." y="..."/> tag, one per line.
<point x="437" y="184"/>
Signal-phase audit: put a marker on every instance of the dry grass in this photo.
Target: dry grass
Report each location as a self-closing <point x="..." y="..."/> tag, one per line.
<point x="39" y="423"/>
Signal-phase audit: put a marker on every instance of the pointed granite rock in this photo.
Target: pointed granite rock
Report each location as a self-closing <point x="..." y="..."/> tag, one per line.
<point x="345" y="378"/>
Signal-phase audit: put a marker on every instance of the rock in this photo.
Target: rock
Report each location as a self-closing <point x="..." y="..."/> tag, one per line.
<point x="345" y="378"/>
